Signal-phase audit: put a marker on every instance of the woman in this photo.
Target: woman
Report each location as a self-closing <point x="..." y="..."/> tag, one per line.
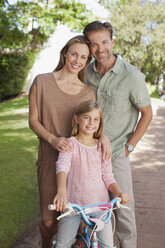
<point x="52" y="100"/>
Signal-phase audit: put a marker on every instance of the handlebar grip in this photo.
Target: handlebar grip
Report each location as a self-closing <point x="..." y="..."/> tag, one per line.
<point x="119" y="199"/>
<point x="51" y="207"/>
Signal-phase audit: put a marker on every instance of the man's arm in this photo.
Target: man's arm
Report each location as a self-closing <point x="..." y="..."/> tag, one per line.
<point x="144" y="121"/>
<point x="105" y="145"/>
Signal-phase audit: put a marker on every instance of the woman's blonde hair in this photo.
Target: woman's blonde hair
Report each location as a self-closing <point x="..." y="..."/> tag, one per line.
<point x="83" y="108"/>
<point x="77" y="39"/>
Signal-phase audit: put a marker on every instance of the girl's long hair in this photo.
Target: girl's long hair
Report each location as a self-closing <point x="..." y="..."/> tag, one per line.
<point x="77" y="39"/>
<point x="83" y="108"/>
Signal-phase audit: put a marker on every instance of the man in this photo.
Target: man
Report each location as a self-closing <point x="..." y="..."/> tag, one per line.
<point x="122" y="94"/>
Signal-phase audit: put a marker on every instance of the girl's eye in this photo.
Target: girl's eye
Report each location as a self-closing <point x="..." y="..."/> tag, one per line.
<point x="97" y="119"/>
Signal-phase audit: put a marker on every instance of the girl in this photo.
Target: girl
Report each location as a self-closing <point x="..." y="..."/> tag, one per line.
<point x="82" y="176"/>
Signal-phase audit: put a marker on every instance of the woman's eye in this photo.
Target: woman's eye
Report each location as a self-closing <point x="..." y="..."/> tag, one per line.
<point x="74" y="54"/>
<point x="84" y="58"/>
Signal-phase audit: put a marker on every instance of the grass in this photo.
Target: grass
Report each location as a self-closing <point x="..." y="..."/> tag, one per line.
<point x="18" y="181"/>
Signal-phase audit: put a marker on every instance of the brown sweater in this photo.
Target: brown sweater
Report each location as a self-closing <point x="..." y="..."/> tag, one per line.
<point x="55" y="108"/>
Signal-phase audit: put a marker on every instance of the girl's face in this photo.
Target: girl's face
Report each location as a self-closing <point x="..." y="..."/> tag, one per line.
<point x="76" y="57"/>
<point x="88" y="122"/>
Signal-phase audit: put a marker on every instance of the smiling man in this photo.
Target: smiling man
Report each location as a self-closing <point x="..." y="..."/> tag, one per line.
<point x="122" y="94"/>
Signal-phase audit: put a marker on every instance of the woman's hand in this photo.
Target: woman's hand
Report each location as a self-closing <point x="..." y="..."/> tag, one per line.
<point x="61" y="144"/>
<point x="105" y="145"/>
<point x="60" y="201"/>
<point x="124" y="198"/>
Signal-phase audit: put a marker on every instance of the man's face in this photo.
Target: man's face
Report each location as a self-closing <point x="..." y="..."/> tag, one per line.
<point x="101" y="45"/>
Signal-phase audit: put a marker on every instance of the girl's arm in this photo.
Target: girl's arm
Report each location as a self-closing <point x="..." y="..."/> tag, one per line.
<point x="60" y="199"/>
<point x="61" y="144"/>
<point x="110" y="182"/>
<point x="63" y="165"/>
<point x="115" y="190"/>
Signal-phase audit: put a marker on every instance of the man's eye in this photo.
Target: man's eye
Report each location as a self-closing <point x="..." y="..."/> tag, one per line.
<point x="92" y="44"/>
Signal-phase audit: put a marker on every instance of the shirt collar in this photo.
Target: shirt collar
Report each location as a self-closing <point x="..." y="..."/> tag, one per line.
<point x="117" y="66"/>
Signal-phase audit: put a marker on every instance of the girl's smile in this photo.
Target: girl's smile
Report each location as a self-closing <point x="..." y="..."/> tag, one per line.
<point x="88" y="122"/>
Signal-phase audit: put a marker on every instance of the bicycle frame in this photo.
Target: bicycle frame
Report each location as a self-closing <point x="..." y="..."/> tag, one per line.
<point x="84" y="211"/>
<point x="92" y="242"/>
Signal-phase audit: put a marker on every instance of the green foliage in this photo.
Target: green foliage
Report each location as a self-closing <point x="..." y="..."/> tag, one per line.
<point x="30" y="23"/>
<point x="14" y="70"/>
<point x="153" y="91"/>
<point x="25" y="26"/>
<point x="138" y="31"/>
<point x="18" y="181"/>
<point x="154" y="61"/>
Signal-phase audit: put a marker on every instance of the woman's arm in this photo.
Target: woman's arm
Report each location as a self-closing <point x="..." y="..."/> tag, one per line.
<point x="60" y="199"/>
<point x="61" y="144"/>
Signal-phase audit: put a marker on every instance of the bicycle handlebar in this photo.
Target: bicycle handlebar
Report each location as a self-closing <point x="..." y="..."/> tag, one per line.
<point x="85" y="210"/>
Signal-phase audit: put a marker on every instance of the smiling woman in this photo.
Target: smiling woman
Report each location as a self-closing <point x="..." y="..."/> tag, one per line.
<point x="53" y="97"/>
<point x="75" y="60"/>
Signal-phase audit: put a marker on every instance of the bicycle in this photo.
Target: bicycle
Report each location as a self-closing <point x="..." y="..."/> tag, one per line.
<point x="89" y="237"/>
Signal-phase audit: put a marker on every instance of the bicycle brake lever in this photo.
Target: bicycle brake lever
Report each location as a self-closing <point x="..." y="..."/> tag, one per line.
<point x="119" y="205"/>
<point x="69" y="211"/>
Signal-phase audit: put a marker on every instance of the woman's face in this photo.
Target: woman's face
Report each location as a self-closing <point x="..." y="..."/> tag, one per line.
<point x="76" y="57"/>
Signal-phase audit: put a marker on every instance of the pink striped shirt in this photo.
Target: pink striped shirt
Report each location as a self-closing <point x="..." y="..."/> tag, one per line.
<point x="88" y="176"/>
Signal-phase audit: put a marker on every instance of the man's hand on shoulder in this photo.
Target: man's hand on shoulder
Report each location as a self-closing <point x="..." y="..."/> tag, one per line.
<point x="105" y="145"/>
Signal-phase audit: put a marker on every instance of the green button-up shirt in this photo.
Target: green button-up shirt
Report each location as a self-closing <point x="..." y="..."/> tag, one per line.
<point x="120" y="93"/>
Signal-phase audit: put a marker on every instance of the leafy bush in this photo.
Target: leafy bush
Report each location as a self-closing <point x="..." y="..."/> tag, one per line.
<point x="14" y="70"/>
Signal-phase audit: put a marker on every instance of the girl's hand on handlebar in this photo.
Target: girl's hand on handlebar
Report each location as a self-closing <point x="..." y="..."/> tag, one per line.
<point x="124" y="198"/>
<point x="60" y="201"/>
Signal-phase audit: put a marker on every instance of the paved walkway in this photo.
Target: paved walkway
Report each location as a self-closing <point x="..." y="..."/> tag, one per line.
<point x="148" y="170"/>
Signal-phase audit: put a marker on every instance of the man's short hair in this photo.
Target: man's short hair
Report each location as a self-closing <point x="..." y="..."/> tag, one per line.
<point x="98" y="25"/>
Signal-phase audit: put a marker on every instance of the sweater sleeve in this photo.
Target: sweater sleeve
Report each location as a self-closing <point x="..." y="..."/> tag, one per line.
<point x="64" y="162"/>
<point x="107" y="174"/>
